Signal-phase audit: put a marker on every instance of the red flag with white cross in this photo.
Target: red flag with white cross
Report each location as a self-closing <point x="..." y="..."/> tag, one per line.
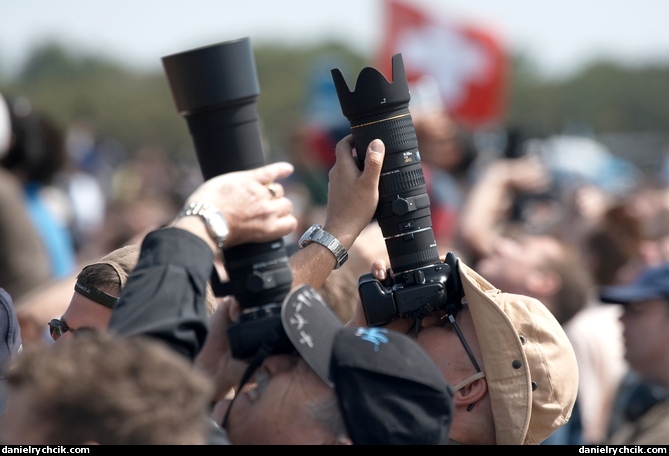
<point x="465" y="62"/>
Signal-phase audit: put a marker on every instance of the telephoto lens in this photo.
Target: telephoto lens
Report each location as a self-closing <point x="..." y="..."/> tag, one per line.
<point x="215" y="88"/>
<point x="421" y="282"/>
<point x="380" y="109"/>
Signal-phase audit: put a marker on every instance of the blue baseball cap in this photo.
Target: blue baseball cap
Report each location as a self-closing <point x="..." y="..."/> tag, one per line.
<point x="652" y="283"/>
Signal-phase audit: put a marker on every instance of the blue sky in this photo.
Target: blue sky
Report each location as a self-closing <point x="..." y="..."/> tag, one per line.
<point x="559" y="36"/>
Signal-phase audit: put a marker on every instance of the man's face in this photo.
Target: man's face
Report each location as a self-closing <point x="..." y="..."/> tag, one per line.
<point x="646" y="335"/>
<point x="513" y="261"/>
<point x="83" y="313"/>
<point x="274" y="408"/>
<point x="441" y="342"/>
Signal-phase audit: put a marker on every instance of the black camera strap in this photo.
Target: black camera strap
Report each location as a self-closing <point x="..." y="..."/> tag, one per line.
<point x="269" y="347"/>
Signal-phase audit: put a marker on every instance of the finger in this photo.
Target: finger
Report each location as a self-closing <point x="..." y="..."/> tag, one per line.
<point x="234" y="310"/>
<point x="273" y="171"/>
<point x="344" y="150"/>
<point x="379" y="269"/>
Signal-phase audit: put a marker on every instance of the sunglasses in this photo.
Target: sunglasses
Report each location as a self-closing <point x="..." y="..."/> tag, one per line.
<point x="58" y="327"/>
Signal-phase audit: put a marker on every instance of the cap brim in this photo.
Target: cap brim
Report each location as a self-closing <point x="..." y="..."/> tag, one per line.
<point x="123" y="260"/>
<point x="311" y="327"/>
<point x="624" y="294"/>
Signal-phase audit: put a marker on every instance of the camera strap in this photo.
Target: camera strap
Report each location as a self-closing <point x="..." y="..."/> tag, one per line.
<point x="267" y="348"/>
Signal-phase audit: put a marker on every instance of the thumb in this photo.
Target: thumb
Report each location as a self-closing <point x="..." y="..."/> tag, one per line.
<point x="374" y="159"/>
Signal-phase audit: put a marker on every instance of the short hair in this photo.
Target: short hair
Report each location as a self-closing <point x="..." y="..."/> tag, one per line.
<point x="102" y="277"/>
<point x="102" y="388"/>
<point x="577" y="283"/>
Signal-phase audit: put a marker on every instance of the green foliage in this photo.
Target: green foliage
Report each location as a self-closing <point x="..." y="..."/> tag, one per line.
<point x="137" y="109"/>
<point x="604" y="96"/>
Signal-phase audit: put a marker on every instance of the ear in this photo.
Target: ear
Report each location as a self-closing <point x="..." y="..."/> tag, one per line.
<point x="471" y="394"/>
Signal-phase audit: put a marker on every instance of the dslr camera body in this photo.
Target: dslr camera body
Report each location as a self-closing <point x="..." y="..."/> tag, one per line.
<point x="421" y="282"/>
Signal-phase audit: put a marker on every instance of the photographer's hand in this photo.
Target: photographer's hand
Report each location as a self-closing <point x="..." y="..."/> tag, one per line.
<point x="352" y="199"/>
<point x="254" y="210"/>
<point x="215" y="358"/>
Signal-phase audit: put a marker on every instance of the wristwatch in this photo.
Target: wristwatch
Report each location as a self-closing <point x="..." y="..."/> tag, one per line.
<point x="316" y="233"/>
<point x="216" y="224"/>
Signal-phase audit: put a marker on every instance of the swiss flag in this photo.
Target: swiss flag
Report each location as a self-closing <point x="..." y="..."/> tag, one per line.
<point x="466" y="61"/>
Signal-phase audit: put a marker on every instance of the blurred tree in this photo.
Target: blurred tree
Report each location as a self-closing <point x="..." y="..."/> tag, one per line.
<point x="137" y="109"/>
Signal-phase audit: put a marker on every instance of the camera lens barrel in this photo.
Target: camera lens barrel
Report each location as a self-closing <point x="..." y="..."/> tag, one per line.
<point x="380" y="109"/>
<point x="215" y="88"/>
<point x="212" y="76"/>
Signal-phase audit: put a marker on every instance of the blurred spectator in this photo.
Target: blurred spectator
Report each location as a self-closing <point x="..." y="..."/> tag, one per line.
<point x="562" y="195"/>
<point x="101" y="389"/>
<point x="645" y="319"/>
<point x="447" y="156"/>
<point x="24" y="261"/>
<point x="609" y="247"/>
<point x="145" y="194"/>
<point x="87" y="204"/>
<point x="544" y="266"/>
<point x="35" y="156"/>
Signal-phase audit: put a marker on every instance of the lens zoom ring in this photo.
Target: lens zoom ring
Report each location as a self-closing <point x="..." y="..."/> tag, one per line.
<point x="415" y="258"/>
<point x="402" y="181"/>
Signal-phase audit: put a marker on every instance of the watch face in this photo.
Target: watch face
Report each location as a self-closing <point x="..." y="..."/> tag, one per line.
<point x="218" y="225"/>
<point x="308" y="235"/>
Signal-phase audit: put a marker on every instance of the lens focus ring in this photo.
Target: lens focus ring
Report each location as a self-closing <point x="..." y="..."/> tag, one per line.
<point x="397" y="134"/>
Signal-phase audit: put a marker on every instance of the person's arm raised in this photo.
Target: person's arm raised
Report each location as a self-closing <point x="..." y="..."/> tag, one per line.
<point x="352" y="199"/>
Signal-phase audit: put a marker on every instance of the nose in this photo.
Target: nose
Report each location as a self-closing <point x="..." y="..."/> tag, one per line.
<point x="625" y="316"/>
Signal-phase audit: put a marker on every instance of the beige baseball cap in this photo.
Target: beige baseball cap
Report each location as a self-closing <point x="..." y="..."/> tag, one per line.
<point x="529" y="363"/>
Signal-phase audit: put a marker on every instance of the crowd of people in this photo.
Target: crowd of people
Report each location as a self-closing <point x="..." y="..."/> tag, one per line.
<point x="549" y="324"/>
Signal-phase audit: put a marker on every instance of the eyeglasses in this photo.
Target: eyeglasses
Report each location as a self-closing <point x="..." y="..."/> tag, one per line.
<point x="450" y="317"/>
<point x="57" y="328"/>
